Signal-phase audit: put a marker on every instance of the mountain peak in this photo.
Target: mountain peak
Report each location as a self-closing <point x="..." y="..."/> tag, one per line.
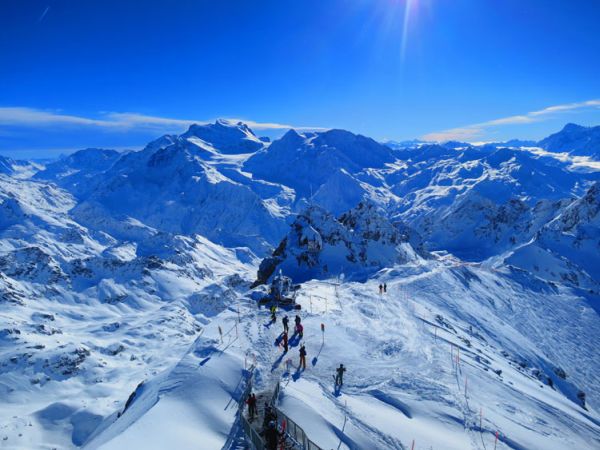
<point x="575" y="139"/>
<point x="226" y="136"/>
<point x="573" y="127"/>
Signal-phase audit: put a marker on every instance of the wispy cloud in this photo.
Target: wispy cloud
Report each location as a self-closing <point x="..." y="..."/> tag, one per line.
<point x="36" y="118"/>
<point x="44" y="14"/>
<point x="470" y="132"/>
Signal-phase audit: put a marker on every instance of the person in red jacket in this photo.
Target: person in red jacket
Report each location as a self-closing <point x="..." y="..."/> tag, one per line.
<point x="285" y="342"/>
<point x="251" y="402"/>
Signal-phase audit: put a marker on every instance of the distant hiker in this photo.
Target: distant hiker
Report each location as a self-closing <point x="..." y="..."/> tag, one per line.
<point x="271" y="436"/>
<point x="302" y="357"/>
<point x="297" y="320"/>
<point x="252" y="410"/>
<point x="384" y="288"/>
<point x="300" y="330"/>
<point x="339" y="378"/>
<point x="380" y="289"/>
<point x="286" y="322"/>
<point x="273" y="311"/>
<point x="285" y="342"/>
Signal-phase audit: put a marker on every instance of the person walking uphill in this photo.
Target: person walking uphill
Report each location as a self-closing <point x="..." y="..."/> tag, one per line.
<point x="339" y="378"/>
<point x="302" y="357"/>
<point x="286" y="321"/>
<point x="297" y="320"/>
<point x="300" y="330"/>
<point x="252" y="410"/>
<point x="273" y="315"/>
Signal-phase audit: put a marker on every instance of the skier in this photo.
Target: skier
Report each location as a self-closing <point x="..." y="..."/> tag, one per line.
<point x="384" y="288"/>
<point x="271" y="436"/>
<point x="297" y="320"/>
<point x="380" y="289"/>
<point x="339" y="378"/>
<point x="252" y="410"/>
<point x="300" y="330"/>
<point x="273" y="311"/>
<point x="302" y="357"/>
<point x="285" y="342"/>
<point x="285" y="321"/>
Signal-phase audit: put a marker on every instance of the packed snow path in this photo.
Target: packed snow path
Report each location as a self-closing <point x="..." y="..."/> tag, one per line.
<point x="416" y="372"/>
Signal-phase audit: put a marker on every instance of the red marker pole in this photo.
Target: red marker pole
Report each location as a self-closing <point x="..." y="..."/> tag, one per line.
<point x="496" y="441"/>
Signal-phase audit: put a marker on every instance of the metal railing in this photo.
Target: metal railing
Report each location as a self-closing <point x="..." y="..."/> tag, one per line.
<point x="294" y="433"/>
<point x="251" y="434"/>
<point x="292" y="430"/>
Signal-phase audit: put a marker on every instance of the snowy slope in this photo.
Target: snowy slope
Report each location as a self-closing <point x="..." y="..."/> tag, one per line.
<point x="120" y="272"/>
<point x="184" y="185"/>
<point x="78" y="172"/>
<point x="567" y="249"/>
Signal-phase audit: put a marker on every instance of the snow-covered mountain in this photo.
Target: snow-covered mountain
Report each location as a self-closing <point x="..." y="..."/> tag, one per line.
<point x="358" y="243"/>
<point x="477" y="202"/>
<point x="306" y="161"/>
<point x="129" y="320"/>
<point x="77" y="172"/>
<point x="574" y="139"/>
<point x="567" y="248"/>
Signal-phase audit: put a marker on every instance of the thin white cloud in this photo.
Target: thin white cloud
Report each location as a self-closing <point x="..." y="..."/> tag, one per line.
<point x="31" y="117"/>
<point x="44" y="14"/>
<point x="477" y="130"/>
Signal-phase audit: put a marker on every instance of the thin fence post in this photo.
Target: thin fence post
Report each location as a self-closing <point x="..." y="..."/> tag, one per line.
<point x="480" y="419"/>
<point x="221" y="333"/>
<point x="412" y="447"/>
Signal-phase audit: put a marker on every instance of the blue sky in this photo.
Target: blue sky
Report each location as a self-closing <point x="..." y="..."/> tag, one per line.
<point x="116" y="74"/>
